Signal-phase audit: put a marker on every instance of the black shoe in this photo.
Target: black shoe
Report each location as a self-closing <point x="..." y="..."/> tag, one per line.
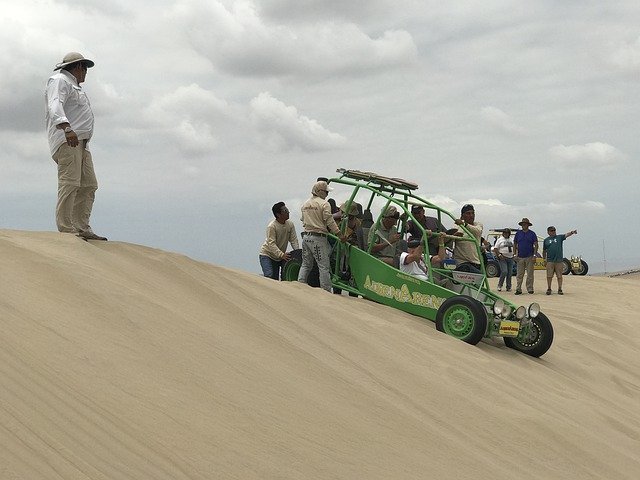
<point x="548" y="291"/>
<point x="560" y="292"/>
<point x="518" y="292"/>
<point x="531" y="292"/>
<point x="89" y="235"/>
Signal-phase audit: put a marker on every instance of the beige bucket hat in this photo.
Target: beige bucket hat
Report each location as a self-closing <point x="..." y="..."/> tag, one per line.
<point x="74" y="57"/>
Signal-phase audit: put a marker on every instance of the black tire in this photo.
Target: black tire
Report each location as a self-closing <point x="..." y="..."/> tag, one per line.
<point x="584" y="268"/>
<point x="566" y="266"/>
<point x="291" y="268"/>
<point x="537" y="342"/>
<point x="462" y="317"/>
<point x="493" y="268"/>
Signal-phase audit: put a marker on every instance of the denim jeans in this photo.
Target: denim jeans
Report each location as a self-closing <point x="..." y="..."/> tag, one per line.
<point x="316" y="247"/>
<point x="506" y="269"/>
<point x="271" y="268"/>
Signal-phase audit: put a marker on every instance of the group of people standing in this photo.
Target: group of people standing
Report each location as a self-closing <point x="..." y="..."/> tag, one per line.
<point x="523" y="250"/>
<point x="318" y="221"/>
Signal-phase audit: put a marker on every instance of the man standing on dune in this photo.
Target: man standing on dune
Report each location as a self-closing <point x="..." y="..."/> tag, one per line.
<point x="70" y="127"/>
<point x="317" y="222"/>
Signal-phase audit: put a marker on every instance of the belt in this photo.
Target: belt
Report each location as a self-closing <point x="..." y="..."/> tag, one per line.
<point x="315" y="234"/>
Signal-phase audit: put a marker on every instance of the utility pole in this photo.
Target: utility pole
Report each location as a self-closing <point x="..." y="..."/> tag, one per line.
<point x="604" y="257"/>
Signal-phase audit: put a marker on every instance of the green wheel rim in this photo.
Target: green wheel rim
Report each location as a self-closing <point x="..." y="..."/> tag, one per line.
<point x="291" y="270"/>
<point x="458" y="321"/>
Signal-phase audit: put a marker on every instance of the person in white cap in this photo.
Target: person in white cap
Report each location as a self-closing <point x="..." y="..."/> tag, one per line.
<point x="69" y="121"/>
<point x="317" y="222"/>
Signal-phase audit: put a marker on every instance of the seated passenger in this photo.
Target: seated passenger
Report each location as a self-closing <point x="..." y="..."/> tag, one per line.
<point x="353" y="231"/>
<point x="428" y="223"/>
<point x="412" y="262"/>
<point x="386" y="236"/>
<point x="355" y="236"/>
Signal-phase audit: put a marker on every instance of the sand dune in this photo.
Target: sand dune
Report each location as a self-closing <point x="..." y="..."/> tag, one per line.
<point x="119" y="361"/>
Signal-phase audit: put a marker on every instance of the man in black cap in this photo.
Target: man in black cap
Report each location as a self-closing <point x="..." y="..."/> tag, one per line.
<point x="412" y="261"/>
<point x="465" y="253"/>
<point x="70" y="127"/>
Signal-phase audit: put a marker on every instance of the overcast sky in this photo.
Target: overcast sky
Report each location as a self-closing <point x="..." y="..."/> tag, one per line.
<point x="208" y="112"/>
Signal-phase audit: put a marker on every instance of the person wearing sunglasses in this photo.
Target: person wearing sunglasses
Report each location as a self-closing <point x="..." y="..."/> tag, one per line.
<point x="69" y="121"/>
<point x="317" y="222"/>
<point x="280" y="233"/>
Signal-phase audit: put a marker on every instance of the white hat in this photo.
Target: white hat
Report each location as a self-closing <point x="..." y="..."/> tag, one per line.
<point x="320" y="186"/>
<point x="74" y="57"/>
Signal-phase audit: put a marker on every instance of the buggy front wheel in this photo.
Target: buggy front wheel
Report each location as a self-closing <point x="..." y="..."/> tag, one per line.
<point x="582" y="269"/>
<point x="536" y="340"/>
<point x="462" y="317"/>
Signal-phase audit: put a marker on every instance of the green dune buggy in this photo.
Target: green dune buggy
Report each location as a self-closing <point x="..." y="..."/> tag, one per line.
<point x="460" y="303"/>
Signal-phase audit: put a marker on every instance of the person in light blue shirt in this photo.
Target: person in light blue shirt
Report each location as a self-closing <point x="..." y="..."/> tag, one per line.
<point x="552" y="253"/>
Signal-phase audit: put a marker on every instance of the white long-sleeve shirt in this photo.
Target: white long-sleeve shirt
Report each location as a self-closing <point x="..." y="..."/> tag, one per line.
<point x="66" y="102"/>
<point x="278" y="237"/>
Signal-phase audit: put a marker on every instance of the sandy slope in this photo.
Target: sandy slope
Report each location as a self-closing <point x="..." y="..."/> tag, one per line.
<point x="119" y="361"/>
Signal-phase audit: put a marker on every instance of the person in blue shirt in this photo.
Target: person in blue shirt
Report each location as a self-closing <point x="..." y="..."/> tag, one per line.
<point x="525" y="249"/>
<point x="552" y="253"/>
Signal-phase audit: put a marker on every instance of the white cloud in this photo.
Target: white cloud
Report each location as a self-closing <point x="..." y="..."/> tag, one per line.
<point x="627" y="56"/>
<point x="312" y="10"/>
<point x="501" y="120"/>
<point x="191" y="114"/>
<point x="596" y="155"/>
<point x="242" y="42"/>
<point x="190" y="101"/>
<point x="283" y="128"/>
<point x="25" y="146"/>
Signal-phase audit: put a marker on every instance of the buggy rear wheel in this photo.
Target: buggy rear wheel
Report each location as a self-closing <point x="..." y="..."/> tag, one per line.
<point x="462" y="317"/>
<point x="582" y="269"/>
<point x="291" y="268"/>
<point x="566" y="266"/>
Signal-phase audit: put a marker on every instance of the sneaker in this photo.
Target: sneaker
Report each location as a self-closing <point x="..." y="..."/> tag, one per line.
<point x="531" y="292"/>
<point x="499" y="289"/>
<point x="548" y="291"/>
<point x="560" y="292"/>
<point x="518" y="292"/>
<point x="508" y="289"/>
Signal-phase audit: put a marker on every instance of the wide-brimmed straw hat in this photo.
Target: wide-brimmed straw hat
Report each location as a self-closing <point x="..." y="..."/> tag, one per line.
<point x="74" y="57"/>
<point x="525" y="221"/>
